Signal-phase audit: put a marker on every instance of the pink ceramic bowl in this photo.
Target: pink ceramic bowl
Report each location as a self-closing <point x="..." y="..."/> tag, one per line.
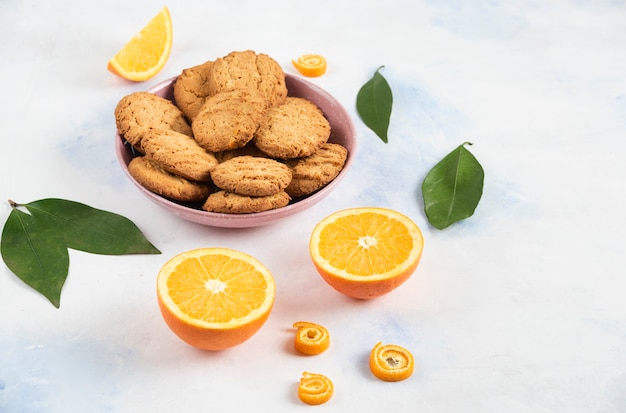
<point x="342" y="132"/>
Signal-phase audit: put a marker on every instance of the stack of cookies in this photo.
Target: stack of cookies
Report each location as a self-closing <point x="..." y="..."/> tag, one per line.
<point x="232" y="140"/>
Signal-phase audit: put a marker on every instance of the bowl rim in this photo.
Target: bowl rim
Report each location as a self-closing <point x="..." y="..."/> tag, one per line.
<point x="224" y="220"/>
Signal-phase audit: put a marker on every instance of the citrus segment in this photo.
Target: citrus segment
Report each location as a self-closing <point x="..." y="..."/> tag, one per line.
<point x="315" y="388"/>
<point x="310" y="65"/>
<point x="391" y="362"/>
<point x="311" y="338"/>
<point x="146" y="53"/>
<point x="366" y="252"/>
<point x="215" y="298"/>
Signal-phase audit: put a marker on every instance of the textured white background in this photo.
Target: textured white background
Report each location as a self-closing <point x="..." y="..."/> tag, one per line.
<point x="521" y="308"/>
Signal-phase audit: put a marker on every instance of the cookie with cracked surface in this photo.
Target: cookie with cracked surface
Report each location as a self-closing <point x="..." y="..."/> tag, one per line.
<point x="250" y="175"/>
<point x="140" y="112"/>
<point x="295" y="129"/>
<point x="250" y="150"/>
<point x="179" y="154"/>
<point x="191" y="89"/>
<point x="249" y="70"/>
<point x="316" y="171"/>
<point x="229" y="119"/>
<point x="155" y="179"/>
<point x="230" y="203"/>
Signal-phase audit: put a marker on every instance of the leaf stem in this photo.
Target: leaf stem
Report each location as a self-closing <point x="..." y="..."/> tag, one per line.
<point x="13" y="204"/>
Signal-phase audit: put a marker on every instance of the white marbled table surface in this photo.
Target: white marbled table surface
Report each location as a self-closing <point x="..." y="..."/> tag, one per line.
<point x="519" y="309"/>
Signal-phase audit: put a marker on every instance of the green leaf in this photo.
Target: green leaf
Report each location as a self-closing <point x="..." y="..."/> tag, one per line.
<point x="373" y="103"/>
<point x="453" y="188"/>
<point x="84" y="228"/>
<point x="29" y="254"/>
<point x="35" y="243"/>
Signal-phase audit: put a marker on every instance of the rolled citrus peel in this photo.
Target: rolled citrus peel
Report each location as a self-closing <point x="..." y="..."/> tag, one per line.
<point x="310" y="65"/>
<point x="391" y="362"/>
<point x="315" y="388"/>
<point x="311" y="338"/>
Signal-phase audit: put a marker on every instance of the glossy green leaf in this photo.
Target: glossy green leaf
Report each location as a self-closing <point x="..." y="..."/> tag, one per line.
<point x="89" y="229"/>
<point x="30" y="254"/>
<point x="373" y="103"/>
<point x="35" y="242"/>
<point x="453" y="188"/>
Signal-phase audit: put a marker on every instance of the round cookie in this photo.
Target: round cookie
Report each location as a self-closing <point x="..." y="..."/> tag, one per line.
<point x="249" y="70"/>
<point x="229" y="119"/>
<point x="155" y="179"/>
<point x="315" y="171"/>
<point x="230" y="203"/>
<point x="179" y="154"/>
<point x="250" y="149"/>
<point x="139" y="112"/>
<point x="191" y="89"/>
<point x="295" y="129"/>
<point x="250" y="175"/>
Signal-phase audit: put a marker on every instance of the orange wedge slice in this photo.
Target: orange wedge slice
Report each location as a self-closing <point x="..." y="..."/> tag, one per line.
<point x="215" y="298"/>
<point x="366" y="252"/>
<point x="147" y="52"/>
<point x="310" y="65"/>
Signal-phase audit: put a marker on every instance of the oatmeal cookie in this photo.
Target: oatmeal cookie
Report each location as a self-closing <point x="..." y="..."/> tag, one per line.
<point x="179" y="154"/>
<point x="315" y="171"/>
<point x="250" y="149"/>
<point x="295" y="129"/>
<point x="191" y="89"/>
<point x="249" y="70"/>
<point x="229" y="119"/>
<point x="155" y="179"/>
<point x="139" y="112"/>
<point x="231" y="203"/>
<point x="250" y="175"/>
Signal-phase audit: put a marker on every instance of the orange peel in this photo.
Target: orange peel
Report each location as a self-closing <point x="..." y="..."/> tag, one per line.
<point x="310" y="65"/>
<point x="315" y="388"/>
<point x="391" y="362"/>
<point x="311" y="338"/>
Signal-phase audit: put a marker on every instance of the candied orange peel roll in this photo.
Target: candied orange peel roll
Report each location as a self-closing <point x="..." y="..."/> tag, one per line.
<point x="391" y="362"/>
<point x="311" y="338"/>
<point x="310" y="65"/>
<point x="315" y="388"/>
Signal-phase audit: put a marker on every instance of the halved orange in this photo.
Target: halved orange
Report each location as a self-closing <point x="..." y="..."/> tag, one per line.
<point x="310" y="65"/>
<point x="146" y="53"/>
<point x="215" y="298"/>
<point x="366" y="252"/>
